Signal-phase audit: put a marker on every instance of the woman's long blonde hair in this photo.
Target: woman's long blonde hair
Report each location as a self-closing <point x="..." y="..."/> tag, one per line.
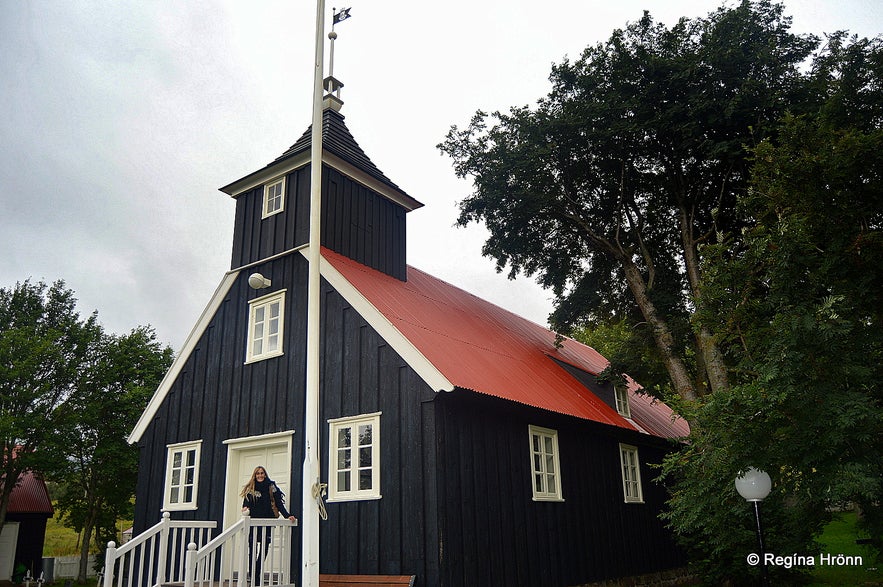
<point x="248" y="488"/>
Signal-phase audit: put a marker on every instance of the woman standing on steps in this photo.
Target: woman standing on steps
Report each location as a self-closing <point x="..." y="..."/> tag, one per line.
<point x="262" y="499"/>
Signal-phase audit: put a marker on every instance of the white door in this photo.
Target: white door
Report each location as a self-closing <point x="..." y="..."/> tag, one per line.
<point x="8" y="539"/>
<point x="273" y="453"/>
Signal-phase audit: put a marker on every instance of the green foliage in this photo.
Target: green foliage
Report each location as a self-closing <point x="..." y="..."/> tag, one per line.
<point x="625" y="344"/>
<point x="605" y="190"/>
<point x="69" y="395"/>
<point x="798" y="297"/>
<point x="43" y="343"/>
<point x="705" y="203"/>
<point x="101" y="468"/>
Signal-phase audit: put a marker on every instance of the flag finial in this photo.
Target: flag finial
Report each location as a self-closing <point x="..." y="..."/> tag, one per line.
<point x="339" y="16"/>
<point x="332" y="84"/>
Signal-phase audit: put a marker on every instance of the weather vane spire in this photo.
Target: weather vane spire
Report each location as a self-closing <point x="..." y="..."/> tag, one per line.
<point x="332" y="84"/>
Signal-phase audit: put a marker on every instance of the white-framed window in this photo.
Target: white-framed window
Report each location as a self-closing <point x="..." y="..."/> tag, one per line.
<point x="622" y="401"/>
<point x="274" y="197"/>
<point x="631" y="474"/>
<point x="182" y="476"/>
<point x="546" y="475"/>
<point x="354" y="455"/>
<point x="266" y="317"/>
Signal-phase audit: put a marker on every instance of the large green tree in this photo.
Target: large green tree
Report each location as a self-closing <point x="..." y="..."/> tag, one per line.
<point x="100" y="471"/>
<point x="800" y="299"/>
<point x="626" y="191"/>
<point x="608" y="187"/>
<point x="43" y="344"/>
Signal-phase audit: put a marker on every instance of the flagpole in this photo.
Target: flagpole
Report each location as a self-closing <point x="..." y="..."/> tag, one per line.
<point x="310" y="512"/>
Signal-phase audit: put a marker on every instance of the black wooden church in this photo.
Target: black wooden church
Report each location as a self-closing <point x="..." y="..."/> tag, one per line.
<point x="460" y="443"/>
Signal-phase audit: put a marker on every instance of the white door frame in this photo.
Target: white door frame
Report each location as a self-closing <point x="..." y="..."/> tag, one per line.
<point x="235" y="446"/>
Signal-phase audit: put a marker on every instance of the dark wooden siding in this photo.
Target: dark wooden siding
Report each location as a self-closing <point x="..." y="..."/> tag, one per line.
<point x="218" y="397"/>
<point x="493" y="533"/>
<point x="255" y="238"/>
<point x="362" y="224"/>
<point x="362" y="374"/>
<point x="356" y="222"/>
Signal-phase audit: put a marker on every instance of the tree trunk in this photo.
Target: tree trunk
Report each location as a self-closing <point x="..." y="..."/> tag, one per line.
<point x="88" y="527"/>
<point x="712" y="357"/>
<point x="674" y="364"/>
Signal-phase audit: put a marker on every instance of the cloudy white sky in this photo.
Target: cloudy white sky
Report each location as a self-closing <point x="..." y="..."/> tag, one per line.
<point x="121" y="119"/>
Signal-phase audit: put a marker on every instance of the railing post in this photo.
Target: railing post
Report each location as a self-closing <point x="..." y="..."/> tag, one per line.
<point x="162" y="572"/>
<point x="110" y="557"/>
<point x="189" y="565"/>
<point x="285" y="532"/>
<point x="244" y="564"/>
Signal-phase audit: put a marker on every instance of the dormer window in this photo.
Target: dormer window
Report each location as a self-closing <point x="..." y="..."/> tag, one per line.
<point x="622" y="401"/>
<point x="274" y="197"/>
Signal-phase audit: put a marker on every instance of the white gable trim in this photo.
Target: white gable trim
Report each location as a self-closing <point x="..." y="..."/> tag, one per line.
<point x="286" y="166"/>
<point x="392" y="335"/>
<point x="160" y="394"/>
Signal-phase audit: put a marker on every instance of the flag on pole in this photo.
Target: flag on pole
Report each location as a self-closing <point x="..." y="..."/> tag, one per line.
<point x="341" y="16"/>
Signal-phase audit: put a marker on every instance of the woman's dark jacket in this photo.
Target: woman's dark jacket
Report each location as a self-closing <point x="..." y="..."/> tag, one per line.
<point x="260" y="504"/>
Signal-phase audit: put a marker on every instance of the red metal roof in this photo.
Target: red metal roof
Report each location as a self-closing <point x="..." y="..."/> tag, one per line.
<point x="30" y="496"/>
<point x="481" y="347"/>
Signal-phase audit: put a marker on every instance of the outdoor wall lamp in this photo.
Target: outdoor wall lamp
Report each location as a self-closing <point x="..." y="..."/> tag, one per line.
<point x="258" y="281"/>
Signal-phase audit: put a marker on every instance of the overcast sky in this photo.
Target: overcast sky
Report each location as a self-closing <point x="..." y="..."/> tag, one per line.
<point x="120" y="121"/>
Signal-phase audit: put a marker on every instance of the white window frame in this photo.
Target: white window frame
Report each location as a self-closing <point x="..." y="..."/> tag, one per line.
<point x="278" y="197"/>
<point x="621" y="395"/>
<point x="264" y="304"/>
<point x="631" y="474"/>
<point x="354" y="469"/>
<point x="174" y="496"/>
<point x="543" y="453"/>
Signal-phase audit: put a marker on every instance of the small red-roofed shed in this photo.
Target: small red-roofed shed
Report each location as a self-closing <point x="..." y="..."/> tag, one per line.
<point x="29" y="510"/>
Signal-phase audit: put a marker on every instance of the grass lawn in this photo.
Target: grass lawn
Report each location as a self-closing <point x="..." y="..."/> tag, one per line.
<point x="62" y="541"/>
<point x="839" y="538"/>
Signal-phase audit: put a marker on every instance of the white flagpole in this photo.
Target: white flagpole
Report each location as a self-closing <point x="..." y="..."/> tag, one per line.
<point x="310" y="512"/>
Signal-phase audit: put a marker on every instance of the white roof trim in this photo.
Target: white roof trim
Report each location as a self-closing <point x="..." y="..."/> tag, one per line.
<point x="392" y="335"/>
<point x="286" y="166"/>
<point x="172" y="374"/>
<point x="261" y="176"/>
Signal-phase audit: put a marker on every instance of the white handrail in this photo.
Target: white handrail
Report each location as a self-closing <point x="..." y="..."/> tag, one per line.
<point x="227" y="559"/>
<point x="153" y="551"/>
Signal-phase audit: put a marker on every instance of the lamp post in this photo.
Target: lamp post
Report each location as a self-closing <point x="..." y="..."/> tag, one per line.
<point x="754" y="485"/>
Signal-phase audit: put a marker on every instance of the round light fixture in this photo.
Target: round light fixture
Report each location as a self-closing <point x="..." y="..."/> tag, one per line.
<point x="258" y="281"/>
<point x="754" y="484"/>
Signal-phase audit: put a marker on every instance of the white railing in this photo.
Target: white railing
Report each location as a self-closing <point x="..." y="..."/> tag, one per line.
<point x="254" y="552"/>
<point x="155" y="557"/>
